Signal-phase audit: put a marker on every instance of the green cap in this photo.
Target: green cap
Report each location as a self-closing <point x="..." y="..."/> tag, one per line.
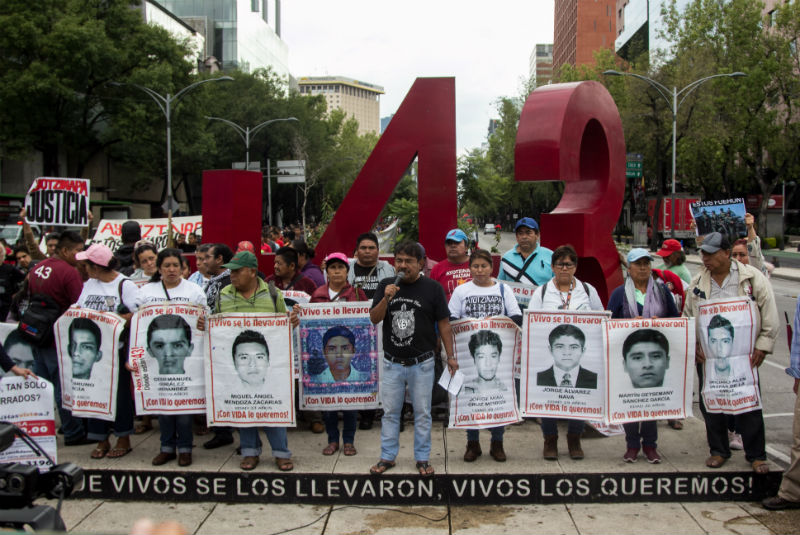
<point x="242" y="259"/>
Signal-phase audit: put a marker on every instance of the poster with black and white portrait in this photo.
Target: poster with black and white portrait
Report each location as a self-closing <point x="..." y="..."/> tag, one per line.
<point x="339" y="356"/>
<point x="166" y="354"/>
<point x="19" y="349"/>
<point x="87" y="342"/>
<point x="727" y="330"/>
<point x="562" y="365"/>
<point x="248" y="367"/>
<point x="28" y="403"/>
<point x="649" y="372"/>
<point x="485" y="350"/>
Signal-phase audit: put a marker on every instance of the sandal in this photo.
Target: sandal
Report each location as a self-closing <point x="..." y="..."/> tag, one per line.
<point x="284" y="465"/>
<point x="331" y="448"/>
<point x="248" y="463"/>
<point x="677" y="425"/>
<point x="381" y="467"/>
<point x="424" y="468"/>
<point x="349" y="450"/>
<point x="116" y="452"/>
<point x="715" y="461"/>
<point x="760" y="467"/>
<point x="99" y="452"/>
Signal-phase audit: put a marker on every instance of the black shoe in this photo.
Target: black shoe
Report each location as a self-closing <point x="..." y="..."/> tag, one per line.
<point x="217" y="442"/>
<point x="79" y="441"/>
<point x="365" y="424"/>
<point x="776" y="503"/>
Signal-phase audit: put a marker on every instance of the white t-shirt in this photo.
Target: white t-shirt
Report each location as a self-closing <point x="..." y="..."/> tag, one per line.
<point x="554" y="299"/>
<point x="104" y="296"/>
<point x="472" y="301"/>
<point x="185" y="292"/>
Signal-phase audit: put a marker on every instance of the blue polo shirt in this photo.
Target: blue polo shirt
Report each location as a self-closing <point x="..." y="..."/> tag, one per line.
<point x="538" y="272"/>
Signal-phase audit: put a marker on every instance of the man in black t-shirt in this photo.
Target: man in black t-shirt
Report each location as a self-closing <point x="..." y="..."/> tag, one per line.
<point x="410" y="313"/>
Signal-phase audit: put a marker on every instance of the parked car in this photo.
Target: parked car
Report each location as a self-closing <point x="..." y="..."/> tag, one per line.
<point x="489" y="228"/>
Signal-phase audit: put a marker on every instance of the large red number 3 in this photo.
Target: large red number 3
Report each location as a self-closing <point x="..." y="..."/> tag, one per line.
<point x="573" y="133"/>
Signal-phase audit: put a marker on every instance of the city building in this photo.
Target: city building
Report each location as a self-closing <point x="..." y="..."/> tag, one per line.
<point x="541" y="64"/>
<point x="639" y="23"/>
<point x="357" y="99"/>
<point x="582" y="27"/>
<point x="155" y="13"/>
<point x="239" y="34"/>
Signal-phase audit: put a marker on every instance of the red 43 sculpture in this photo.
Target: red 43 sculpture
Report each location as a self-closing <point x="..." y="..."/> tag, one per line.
<point x="567" y="132"/>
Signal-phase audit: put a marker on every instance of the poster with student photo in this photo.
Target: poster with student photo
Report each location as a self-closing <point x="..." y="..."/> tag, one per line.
<point x="16" y="346"/>
<point x="248" y="363"/>
<point x="28" y="403"/>
<point x="725" y="217"/>
<point x="562" y="364"/>
<point x="340" y="350"/>
<point x="485" y="350"/>
<point x="166" y="354"/>
<point x="87" y="342"/>
<point x="727" y="330"/>
<point x="649" y="371"/>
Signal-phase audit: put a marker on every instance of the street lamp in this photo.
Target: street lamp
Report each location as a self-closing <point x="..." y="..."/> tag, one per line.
<point x="672" y="101"/>
<point x="166" y="103"/>
<point x="246" y="132"/>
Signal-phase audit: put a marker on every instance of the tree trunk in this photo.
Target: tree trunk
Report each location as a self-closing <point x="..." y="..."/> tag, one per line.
<point x="50" y="160"/>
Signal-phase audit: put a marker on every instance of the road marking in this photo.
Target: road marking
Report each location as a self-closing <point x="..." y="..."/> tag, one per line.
<point x="778" y="454"/>
<point x="774" y="364"/>
<point x="778" y="414"/>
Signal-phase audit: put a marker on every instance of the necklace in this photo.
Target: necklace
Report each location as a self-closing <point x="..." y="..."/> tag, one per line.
<point x="565" y="302"/>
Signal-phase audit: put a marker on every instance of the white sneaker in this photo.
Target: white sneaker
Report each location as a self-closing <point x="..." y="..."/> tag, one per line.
<point x="735" y="441"/>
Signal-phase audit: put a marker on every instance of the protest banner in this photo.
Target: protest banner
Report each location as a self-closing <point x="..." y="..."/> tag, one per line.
<point x="16" y="346"/>
<point x="87" y="342"/>
<point x="727" y="330"/>
<point x="166" y="355"/>
<point x="339" y="357"/>
<point x="58" y="201"/>
<point x="295" y="297"/>
<point x="649" y="372"/>
<point x="486" y="350"/>
<point x="109" y="231"/>
<point x="562" y="365"/>
<point x="522" y="292"/>
<point x="726" y="217"/>
<point x="248" y="363"/>
<point x="28" y="404"/>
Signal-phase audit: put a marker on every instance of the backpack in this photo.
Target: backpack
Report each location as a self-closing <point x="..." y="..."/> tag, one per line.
<point x="36" y="323"/>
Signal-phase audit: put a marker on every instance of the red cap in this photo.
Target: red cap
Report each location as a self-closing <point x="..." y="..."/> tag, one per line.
<point x="245" y="246"/>
<point x="669" y="247"/>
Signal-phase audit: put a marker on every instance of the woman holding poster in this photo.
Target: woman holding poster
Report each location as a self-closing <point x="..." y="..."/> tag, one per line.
<point x="479" y="298"/>
<point x="642" y="296"/>
<point x="166" y="285"/>
<point x="338" y="348"/>
<point x="109" y="291"/>
<point x="564" y="292"/>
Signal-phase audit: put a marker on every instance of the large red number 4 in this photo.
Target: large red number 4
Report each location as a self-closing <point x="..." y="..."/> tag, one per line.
<point x="573" y="133"/>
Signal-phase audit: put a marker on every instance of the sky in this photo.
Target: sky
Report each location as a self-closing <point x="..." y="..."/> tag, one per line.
<point x="485" y="44"/>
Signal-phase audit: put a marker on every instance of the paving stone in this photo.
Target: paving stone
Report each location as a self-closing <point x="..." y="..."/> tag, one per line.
<point x="118" y="517"/>
<point x="725" y="517"/>
<point x="515" y="519"/>
<point x="349" y="520"/>
<point x="634" y="518"/>
<point x="264" y="518"/>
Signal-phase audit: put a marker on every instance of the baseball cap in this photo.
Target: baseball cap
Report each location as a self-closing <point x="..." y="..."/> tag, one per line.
<point x="714" y="242"/>
<point x="456" y="235"/>
<point x="242" y="259"/>
<point x="527" y="222"/>
<point x="669" y="247"/>
<point x="637" y="254"/>
<point x="336" y="257"/>
<point x="97" y="254"/>
<point x="245" y="246"/>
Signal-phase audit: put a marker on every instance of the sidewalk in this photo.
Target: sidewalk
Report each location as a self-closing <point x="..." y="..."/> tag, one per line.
<point x="786" y="273"/>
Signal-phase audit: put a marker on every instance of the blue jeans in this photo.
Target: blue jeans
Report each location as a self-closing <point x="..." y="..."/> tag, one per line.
<point x="643" y="433"/>
<point x="497" y="433"/>
<point x="250" y="442"/>
<point x="45" y="365"/>
<point x="176" y="432"/>
<point x="331" y="419"/>
<point x="550" y="427"/>
<point x="394" y="379"/>
<point x="123" y="422"/>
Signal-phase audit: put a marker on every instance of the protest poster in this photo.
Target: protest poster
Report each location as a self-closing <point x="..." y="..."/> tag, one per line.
<point x="649" y="372"/>
<point x="16" y="346"/>
<point x="109" y="231"/>
<point x="486" y="350"/>
<point x="727" y="329"/>
<point x="339" y="357"/>
<point x="28" y="404"/>
<point x="87" y="342"/>
<point x="293" y="297"/>
<point x="166" y="354"/>
<point x="248" y="363"/>
<point x="562" y="365"/>
<point x="58" y="201"/>
<point x="522" y="292"/>
<point x="725" y="217"/>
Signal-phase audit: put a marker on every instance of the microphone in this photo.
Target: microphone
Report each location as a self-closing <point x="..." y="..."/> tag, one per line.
<point x="400" y="276"/>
